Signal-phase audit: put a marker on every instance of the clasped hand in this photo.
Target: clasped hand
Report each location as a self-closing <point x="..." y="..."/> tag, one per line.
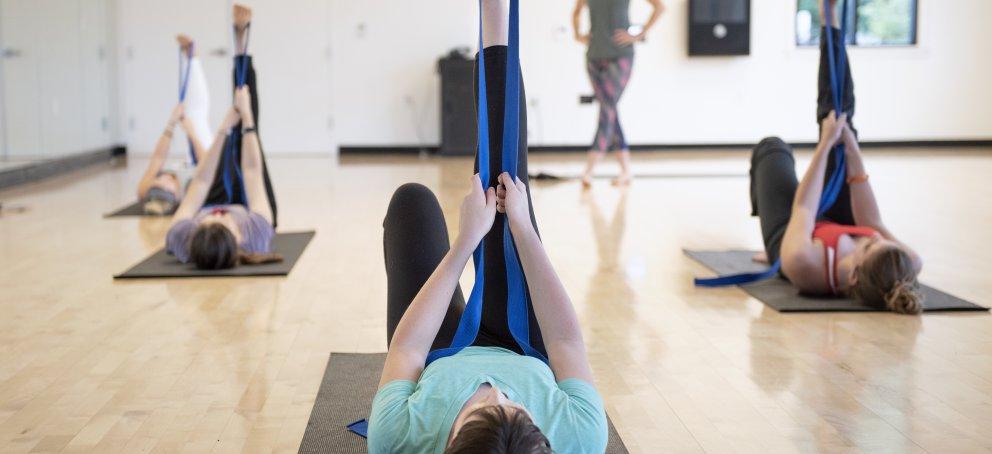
<point x="479" y="208"/>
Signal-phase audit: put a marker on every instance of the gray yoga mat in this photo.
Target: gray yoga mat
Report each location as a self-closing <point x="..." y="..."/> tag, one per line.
<point x="162" y="265"/>
<point x="780" y="295"/>
<point x="547" y="176"/>
<point x="134" y="209"/>
<point x="345" y="396"/>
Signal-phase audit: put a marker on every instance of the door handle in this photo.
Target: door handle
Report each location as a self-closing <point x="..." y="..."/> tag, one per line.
<point x="219" y="52"/>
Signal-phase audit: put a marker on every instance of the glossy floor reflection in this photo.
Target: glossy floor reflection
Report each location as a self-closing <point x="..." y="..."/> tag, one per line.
<point x="93" y="365"/>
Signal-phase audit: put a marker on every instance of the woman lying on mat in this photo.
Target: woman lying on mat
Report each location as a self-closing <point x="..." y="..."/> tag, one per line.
<point x="488" y="397"/>
<point x="228" y="214"/>
<point x="848" y="250"/>
<point x="160" y="190"/>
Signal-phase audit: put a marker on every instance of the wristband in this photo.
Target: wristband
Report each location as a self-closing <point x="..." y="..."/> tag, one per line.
<point x="858" y="179"/>
<point x="248" y="130"/>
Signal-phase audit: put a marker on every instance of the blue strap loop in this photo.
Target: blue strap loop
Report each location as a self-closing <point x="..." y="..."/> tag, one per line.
<point x="518" y="303"/>
<point x="232" y="148"/>
<point x="837" y="59"/>
<point x="184" y="84"/>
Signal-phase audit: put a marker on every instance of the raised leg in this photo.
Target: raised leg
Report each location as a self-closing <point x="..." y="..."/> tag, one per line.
<point x="415" y="239"/>
<point x="773" y="188"/>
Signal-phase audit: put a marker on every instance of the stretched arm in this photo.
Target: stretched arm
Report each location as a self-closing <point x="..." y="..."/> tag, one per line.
<point x="420" y="323"/>
<point x="798" y="252"/>
<point x="198" y="147"/>
<point x="577" y="20"/>
<point x="161" y="152"/>
<point x="657" y="9"/>
<point x="552" y="306"/>
<point x="251" y="158"/>
<point x="863" y="202"/>
<point x="206" y="170"/>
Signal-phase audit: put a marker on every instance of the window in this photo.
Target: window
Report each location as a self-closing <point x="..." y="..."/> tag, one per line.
<point x="870" y="22"/>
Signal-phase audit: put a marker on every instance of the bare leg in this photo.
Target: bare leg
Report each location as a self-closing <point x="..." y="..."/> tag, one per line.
<point x="623" y="157"/>
<point x="594" y="157"/>
<point x="495" y="23"/>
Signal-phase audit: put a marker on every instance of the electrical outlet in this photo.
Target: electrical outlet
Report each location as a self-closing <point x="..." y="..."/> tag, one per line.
<point x="587" y="99"/>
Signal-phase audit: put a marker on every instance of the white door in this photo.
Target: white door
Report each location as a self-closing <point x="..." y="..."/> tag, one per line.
<point x="22" y="54"/>
<point x="56" y="90"/>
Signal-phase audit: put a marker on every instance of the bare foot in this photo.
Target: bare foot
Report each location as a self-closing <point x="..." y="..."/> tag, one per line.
<point x="586" y="181"/>
<point x="184" y="42"/>
<point x="833" y="8"/>
<point x="760" y="257"/>
<point x="622" y="180"/>
<point x="242" y="16"/>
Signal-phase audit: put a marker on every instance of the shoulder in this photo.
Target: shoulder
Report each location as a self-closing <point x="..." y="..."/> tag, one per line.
<point x="806" y="268"/>
<point x="258" y="232"/>
<point x="389" y="420"/>
<point x="177" y="239"/>
<point x="587" y="417"/>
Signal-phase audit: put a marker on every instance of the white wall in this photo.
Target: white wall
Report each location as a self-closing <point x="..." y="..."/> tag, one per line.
<point x="362" y="72"/>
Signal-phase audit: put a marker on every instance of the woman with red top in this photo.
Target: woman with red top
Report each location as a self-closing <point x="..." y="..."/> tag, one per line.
<point x="847" y="251"/>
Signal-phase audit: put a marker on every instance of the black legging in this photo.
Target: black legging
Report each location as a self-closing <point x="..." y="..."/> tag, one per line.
<point x="415" y="236"/>
<point x="218" y="193"/>
<point x="773" y="167"/>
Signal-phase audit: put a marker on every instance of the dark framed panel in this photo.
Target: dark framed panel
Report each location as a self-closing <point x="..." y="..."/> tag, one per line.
<point x="719" y="27"/>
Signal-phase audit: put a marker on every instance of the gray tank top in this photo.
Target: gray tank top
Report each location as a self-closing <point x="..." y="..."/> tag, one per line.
<point x="607" y="16"/>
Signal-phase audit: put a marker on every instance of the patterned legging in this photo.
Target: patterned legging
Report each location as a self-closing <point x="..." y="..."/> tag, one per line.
<point x="609" y="77"/>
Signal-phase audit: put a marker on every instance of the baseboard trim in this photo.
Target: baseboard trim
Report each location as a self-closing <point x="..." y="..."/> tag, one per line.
<point x="433" y="149"/>
<point x="43" y="170"/>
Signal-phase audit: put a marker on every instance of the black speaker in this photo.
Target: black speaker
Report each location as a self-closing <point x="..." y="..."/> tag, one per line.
<point x="719" y="27"/>
<point x="458" y="134"/>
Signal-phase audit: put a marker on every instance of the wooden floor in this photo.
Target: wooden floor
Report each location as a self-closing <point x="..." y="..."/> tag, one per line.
<point x="88" y="364"/>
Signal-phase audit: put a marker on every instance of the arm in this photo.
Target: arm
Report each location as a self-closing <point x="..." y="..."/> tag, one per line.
<point x="624" y="38"/>
<point x="420" y="323"/>
<point x="863" y="202"/>
<point x="206" y="170"/>
<point x="799" y="255"/>
<point x="552" y="306"/>
<point x="657" y="8"/>
<point x="576" y="21"/>
<point x="160" y="153"/>
<point x="198" y="147"/>
<point x="251" y="158"/>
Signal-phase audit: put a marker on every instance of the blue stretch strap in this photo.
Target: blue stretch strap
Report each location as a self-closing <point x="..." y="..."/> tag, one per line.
<point x="518" y="303"/>
<point x="837" y="58"/>
<point x="183" y="85"/>
<point x="232" y="148"/>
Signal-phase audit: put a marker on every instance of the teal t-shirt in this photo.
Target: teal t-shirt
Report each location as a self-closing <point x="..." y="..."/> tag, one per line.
<point x="417" y="417"/>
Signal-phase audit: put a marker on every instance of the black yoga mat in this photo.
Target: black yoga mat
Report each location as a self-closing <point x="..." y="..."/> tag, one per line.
<point x="345" y="396"/>
<point x="134" y="209"/>
<point x="161" y="264"/>
<point x="780" y="295"/>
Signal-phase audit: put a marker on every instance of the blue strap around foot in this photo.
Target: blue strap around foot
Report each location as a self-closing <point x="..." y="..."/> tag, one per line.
<point x="232" y="167"/>
<point x="183" y="85"/>
<point x="518" y="303"/>
<point x="837" y="59"/>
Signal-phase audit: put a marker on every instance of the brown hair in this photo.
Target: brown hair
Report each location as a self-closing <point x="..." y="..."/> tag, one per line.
<point x="887" y="279"/>
<point x="499" y="432"/>
<point x="213" y="247"/>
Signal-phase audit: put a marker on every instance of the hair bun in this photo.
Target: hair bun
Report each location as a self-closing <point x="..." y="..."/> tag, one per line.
<point x="905" y="298"/>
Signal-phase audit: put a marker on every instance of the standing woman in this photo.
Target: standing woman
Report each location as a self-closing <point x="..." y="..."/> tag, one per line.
<point x="609" y="61"/>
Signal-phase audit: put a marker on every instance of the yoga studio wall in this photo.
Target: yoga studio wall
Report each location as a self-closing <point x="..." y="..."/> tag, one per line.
<point x="364" y="73"/>
<point x="56" y="78"/>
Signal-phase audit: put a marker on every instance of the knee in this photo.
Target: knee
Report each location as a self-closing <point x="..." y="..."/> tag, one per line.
<point x="412" y="200"/>
<point x="768" y="146"/>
